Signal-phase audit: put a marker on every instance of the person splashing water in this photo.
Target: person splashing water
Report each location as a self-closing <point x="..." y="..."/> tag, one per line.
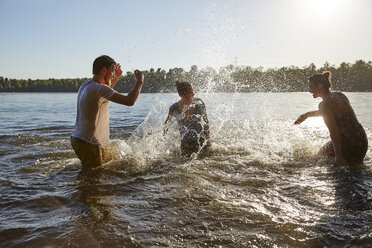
<point x="349" y="141"/>
<point x="191" y="116"/>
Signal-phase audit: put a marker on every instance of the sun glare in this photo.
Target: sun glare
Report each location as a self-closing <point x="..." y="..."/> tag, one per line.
<point x="324" y="7"/>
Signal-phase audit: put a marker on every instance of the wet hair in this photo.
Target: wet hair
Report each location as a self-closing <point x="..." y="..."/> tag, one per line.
<point x="102" y="61"/>
<point x="182" y="86"/>
<point x="323" y="79"/>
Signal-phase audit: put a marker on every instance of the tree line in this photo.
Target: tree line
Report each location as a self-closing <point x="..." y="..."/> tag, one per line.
<point x="231" y="78"/>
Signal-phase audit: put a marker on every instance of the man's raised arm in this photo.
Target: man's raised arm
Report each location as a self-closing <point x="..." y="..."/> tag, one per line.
<point x="132" y="96"/>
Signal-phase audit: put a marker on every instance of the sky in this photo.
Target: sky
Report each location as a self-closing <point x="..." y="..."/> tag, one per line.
<point x="43" y="39"/>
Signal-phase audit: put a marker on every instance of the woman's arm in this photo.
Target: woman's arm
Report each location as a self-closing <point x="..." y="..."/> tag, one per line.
<point x="206" y="126"/>
<point x="166" y="121"/>
<point x="303" y="117"/>
<point x="206" y="130"/>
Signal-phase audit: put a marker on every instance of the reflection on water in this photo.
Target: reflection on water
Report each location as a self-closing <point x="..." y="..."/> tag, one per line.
<point x="353" y="204"/>
<point x="262" y="185"/>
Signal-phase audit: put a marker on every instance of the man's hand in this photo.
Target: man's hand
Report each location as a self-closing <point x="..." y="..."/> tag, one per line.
<point x="118" y="71"/>
<point x="138" y="75"/>
<point x="116" y="75"/>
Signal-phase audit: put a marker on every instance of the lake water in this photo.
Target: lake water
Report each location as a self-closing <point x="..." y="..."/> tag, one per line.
<point x="261" y="186"/>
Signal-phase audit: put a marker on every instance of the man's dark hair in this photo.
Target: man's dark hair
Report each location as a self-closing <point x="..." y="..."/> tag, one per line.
<point x="102" y="61"/>
<point x="182" y="86"/>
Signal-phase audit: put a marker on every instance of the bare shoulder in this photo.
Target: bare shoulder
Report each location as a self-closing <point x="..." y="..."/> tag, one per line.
<point x="174" y="108"/>
<point x="338" y="96"/>
<point x="325" y="106"/>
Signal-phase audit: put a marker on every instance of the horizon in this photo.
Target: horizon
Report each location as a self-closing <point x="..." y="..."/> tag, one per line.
<point x="204" y="68"/>
<point x="51" y="39"/>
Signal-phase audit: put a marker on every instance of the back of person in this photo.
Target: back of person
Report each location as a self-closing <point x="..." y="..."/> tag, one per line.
<point x="349" y="142"/>
<point x="344" y="114"/>
<point x="353" y="137"/>
<point x="93" y="104"/>
<point x="90" y="137"/>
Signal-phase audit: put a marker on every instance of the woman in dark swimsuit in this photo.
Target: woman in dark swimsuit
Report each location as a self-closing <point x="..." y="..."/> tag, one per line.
<point x="191" y="116"/>
<point x="349" y="142"/>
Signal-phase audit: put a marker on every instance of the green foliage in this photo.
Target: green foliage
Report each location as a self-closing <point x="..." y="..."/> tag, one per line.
<point x="47" y="85"/>
<point x="345" y="77"/>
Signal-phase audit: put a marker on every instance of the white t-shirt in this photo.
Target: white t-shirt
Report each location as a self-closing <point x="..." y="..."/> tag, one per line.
<point x="92" y="118"/>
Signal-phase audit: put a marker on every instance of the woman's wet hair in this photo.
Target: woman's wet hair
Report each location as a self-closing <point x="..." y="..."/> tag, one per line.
<point x="323" y="79"/>
<point x="102" y="61"/>
<point x="182" y="86"/>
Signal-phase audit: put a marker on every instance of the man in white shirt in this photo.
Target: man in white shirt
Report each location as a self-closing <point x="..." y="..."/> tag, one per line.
<point x="90" y="136"/>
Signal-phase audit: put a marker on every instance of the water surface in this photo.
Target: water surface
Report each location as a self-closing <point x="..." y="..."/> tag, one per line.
<point x="262" y="185"/>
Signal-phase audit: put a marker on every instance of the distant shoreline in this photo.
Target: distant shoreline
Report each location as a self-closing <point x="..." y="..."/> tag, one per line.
<point x="355" y="77"/>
